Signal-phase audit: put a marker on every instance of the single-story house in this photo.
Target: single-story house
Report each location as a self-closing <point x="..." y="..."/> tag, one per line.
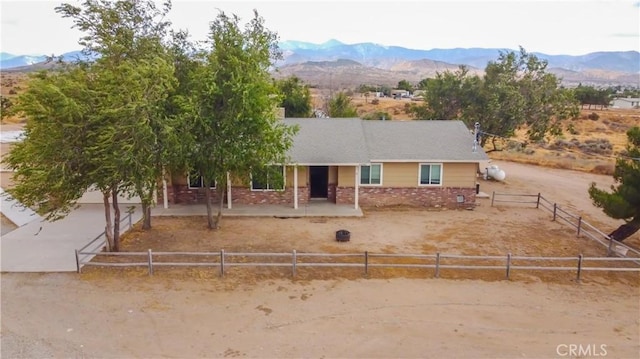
<point x="625" y="102"/>
<point x="364" y="163"/>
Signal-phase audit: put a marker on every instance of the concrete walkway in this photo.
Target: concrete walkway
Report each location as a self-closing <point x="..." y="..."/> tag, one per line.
<point x="41" y="246"/>
<point x="312" y="209"/>
<point x="14" y="211"/>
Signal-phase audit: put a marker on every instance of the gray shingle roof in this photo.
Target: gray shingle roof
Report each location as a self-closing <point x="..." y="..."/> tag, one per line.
<point x="354" y="141"/>
<point x="323" y="141"/>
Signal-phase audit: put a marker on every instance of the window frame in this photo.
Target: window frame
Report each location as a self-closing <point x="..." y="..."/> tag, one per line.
<point x="430" y="164"/>
<point x="269" y="189"/>
<point x="201" y="183"/>
<point x="369" y="165"/>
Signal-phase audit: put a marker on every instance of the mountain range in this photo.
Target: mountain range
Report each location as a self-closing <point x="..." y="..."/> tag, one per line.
<point x="374" y="63"/>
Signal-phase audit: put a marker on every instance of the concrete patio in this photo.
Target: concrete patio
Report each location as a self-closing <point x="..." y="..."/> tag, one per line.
<point x="312" y="209"/>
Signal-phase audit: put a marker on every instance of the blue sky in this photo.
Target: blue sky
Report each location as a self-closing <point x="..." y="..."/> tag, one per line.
<point x="553" y="27"/>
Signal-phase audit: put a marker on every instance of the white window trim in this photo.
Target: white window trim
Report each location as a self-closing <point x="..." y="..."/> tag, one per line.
<point x="430" y="164"/>
<point x="371" y="184"/>
<point x="284" y="183"/>
<point x="201" y="181"/>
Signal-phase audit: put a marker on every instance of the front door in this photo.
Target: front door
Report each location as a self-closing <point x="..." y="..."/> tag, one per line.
<point x="319" y="181"/>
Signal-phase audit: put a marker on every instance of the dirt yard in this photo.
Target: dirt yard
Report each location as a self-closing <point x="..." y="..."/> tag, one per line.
<point x="131" y="315"/>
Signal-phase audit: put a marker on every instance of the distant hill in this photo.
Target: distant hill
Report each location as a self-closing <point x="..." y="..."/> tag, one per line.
<point x="10" y="61"/>
<point x="371" y="54"/>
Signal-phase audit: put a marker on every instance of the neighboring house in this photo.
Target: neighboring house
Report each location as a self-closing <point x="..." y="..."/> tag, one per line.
<point x="625" y="102"/>
<point x="364" y="163"/>
<point x="396" y="93"/>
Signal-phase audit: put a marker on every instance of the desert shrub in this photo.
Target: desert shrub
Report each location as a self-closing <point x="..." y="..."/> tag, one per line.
<point x="572" y="129"/>
<point x="375" y="101"/>
<point x="593" y="116"/>
<point x="378" y="115"/>
<point x="603" y="169"/>
<point x="13" y="92"/>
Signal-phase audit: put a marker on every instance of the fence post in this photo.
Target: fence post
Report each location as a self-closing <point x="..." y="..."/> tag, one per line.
<point x="130" y="214"/>
<point x="293" y="263"/>
<point x="579" y="225"/>
<point x="438" y="264"/>
<point x="222" y="262"/>
<point x="538" y="201"/>
<point x="77" y="262"/>
<point x="366" y="263"/>
<point x="150" y="261"/>
<point x="579" y="267"/>
<point x="508" y="265"/>
<point x="493" y="196"/>
<point x="610" y="248"/>
<point x="555" y="210"/>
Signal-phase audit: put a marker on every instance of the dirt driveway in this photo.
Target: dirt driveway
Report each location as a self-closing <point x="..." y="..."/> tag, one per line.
<point x="58" y="315"/>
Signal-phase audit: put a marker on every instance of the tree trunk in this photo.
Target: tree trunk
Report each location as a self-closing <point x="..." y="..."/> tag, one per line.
<point x="221" y="193"/>
<point x="116" y="221"/>
<point x="626" y="230"/>
<point x="146" y="214"/>
<point x="210" y="221"/>
<point x="108" y="230"/>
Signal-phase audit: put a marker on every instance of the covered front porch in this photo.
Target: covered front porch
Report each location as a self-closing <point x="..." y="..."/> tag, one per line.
<point x="312" y="209"/>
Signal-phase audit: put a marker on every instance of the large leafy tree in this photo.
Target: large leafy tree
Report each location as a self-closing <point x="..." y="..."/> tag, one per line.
<point x="623" y="202"/>
<point x="296" y="97"/>
<point x="108" y="112"/>
<point x="340" y="106"/>
<point x="515" y="92"/>
<point x="233" y="124"/>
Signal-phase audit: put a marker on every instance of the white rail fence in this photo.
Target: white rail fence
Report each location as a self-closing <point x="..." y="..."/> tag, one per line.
<point x="583" y="228"/>
<point x="434" y="263"/>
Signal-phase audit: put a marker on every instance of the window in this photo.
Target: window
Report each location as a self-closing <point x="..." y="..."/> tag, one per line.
<point x="267" y="180"/>
<point x="430" y="174"/>
<point x="196" y="181"/>
<point x="371" y="175"/>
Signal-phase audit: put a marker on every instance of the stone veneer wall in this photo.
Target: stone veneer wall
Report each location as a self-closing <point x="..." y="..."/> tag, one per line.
<point x="417" y="196"/>
<point x="331" y="193"/>
<point x="247" y="196"/>
<point x="368" y="196"/>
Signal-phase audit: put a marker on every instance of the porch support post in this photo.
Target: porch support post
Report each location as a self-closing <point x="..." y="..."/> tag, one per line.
<point x="295" y="186"/>
<point x="229" y="200"/>
<point x="357" y="187"/>
<point x="165" y="195"/>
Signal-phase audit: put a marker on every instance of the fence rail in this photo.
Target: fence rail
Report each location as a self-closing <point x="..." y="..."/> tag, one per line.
<point x="98" y="242"/>
<point x="365" y="260"/>
<point x="583" y="228"/>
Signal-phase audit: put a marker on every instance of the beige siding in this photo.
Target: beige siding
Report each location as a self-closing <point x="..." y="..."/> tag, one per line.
<point x="333" y="175"/>
<point x="302" y="176"/>
<point x="399" y="174"/>
<point x="459" y="174"/>
<point x="346" y="176"/>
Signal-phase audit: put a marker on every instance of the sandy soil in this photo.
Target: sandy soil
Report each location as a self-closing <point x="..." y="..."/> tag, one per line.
<point x="62" y="316"/>
<point x="192" y="316"/>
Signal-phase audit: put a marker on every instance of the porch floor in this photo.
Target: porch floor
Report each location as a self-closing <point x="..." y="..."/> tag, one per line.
<point x="312" y="209"/>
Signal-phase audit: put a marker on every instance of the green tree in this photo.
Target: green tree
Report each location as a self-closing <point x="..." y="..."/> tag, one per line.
<point x="515" y="92"/>
<point x="296" y="98"/>
<point x="106" y="116"/>
<point x="5" y="107"/>
<point x="135" y="74"/>
<point x="623" y="202"/>
<point x="340" y="106"/>
<point x="444" y="96"/>
<point x="404" y="85"/>
<point x="233" y="125"/>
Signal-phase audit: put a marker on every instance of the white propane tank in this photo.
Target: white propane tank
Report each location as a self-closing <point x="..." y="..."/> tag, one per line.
<point x="496" y="173"/>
